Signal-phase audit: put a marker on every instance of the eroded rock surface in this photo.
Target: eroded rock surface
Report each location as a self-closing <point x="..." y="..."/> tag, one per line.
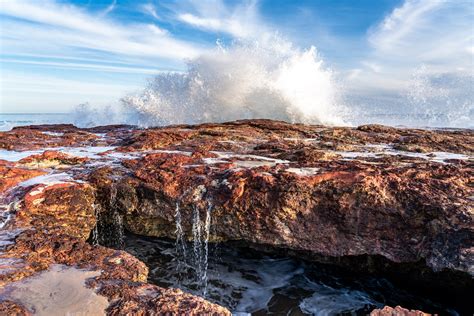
<point x="49" y="222"/>
<point x="327" y="191"/>
<point x="402" y="195"/>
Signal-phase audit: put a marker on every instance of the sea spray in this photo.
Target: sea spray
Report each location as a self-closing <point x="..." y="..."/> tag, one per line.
<point x="255" y="79"/>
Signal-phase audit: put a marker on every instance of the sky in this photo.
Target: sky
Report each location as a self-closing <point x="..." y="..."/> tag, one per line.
<point x="56" y="54"/>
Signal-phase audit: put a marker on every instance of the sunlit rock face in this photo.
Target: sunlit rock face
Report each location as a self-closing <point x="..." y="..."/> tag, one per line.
<point x="389" y="311"/>
<point x="48" y="214"/>
<point x="325" y="193"/>
<point x="398" y="193"/>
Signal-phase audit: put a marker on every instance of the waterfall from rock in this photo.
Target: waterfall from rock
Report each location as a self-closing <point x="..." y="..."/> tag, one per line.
<point x="196" y="260"/>
<point x="180" y="237"/>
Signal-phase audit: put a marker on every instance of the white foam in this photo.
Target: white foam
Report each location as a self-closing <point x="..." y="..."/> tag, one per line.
<point x="47" y="179"/>
<point x="12" y="155"/>
<point x="264" y="79"/>
<point x="244" y="160"/>
<point x="377" y="150"/>
<point x="53" y="133"/>
<point x="166" y="151"/>
<point x="84" y="152"/>
<point x="304" y="171"/>
<point x="330" y="301"/>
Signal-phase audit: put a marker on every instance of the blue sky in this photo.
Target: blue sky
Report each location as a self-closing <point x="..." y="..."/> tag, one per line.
<point x="57" y="54"/>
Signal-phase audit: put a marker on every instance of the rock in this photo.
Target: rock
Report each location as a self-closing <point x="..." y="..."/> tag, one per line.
<point x="362" y="205"/>
<point x="52" y="159"/>
<point x="380" y="196"/>
<point x="10" y="175"/>
<point x="397" y="311"/>
<point x="13" y="309"/>
<point x="51" y="227"/>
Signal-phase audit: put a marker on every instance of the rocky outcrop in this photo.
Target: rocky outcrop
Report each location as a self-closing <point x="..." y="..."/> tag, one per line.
<point x="395" y="196"/>
<point x="397" y="311"/>
<point x="327" y="192"/>
<point x="50" y="226"/>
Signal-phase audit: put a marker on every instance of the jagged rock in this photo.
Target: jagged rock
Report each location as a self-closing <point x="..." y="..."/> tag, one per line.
<point x="397" y="311"/>
<point x="52" y="159"/>
<point x="321" y="192"/>
<point x="51" y="226"/>
<point x="11" y="175"/>
<point x="401" y="206"/>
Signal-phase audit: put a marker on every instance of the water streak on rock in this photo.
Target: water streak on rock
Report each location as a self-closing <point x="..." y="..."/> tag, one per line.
<point x="197" y="243"/>
<point x="180" y="237"/>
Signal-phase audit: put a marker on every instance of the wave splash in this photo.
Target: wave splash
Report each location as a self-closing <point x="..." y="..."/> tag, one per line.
<point x="267" y="79"/>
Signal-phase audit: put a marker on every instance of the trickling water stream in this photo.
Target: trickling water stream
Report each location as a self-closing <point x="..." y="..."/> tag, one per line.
<point x="245" y="281"/>
<point x="109" y="230"/>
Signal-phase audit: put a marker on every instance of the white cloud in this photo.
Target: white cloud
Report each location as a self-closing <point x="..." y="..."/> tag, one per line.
<point x="41" y="38"/>
<point x="372" y="66"/>
<point x="433" y="35"/>
<point x="150" y="9"/>
<point x="110" y="8"/>
<point x="58" y="26"/>
<point x="83" y="66"/>
<point x="241" y="20"/>
<point x="425" y="31"/>
<point x="419" y="32"/>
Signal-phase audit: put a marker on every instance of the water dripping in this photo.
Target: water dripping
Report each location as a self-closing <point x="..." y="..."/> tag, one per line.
<point x="197" y="243"/>
<point x="95" y="231"/>
<point x="207" y="228"/>
<point x="180" y="238"/>
<point x="109" y="230"/>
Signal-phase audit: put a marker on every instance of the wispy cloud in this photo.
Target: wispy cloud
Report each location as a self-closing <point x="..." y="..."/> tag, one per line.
<point x="84" y="66"/>
<point x="110" y="8"/>
<point x="40" y="38"/>
<point x="242" y="20"/>
<point x="54" y="25"/>
<point x="425" y="31"/>
<point x="150" y="9"/>
<point x="433" y="35"/>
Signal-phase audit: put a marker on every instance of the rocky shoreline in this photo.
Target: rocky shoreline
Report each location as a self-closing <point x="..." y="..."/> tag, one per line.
<point x="372" y="198"/>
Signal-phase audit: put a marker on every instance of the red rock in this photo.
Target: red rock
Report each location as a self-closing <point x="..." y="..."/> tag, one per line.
<point x="11" y="176"/>
<point x="397" y="311"/>
<point x="320" y="201"/>
<point x="50" y="158"/>
<point x="51" y="227"/>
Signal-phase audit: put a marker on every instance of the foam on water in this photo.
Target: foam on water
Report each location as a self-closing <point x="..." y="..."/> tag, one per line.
<point x="329" y="301"/>
<point x="85" y="152"/>
<point x="246" y="282"/>
<point x="48" y="179"/>
<point x="243" y="160"/>
<point x="304" y="171"/>
<point x="378" y="150"/>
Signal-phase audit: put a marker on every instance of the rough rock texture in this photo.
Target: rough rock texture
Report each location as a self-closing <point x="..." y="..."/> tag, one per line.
<point x="402" y="195"/>
<point x="50" y="225"/>
<point x="327" y="191"/>
<point x="397" y="311"/>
